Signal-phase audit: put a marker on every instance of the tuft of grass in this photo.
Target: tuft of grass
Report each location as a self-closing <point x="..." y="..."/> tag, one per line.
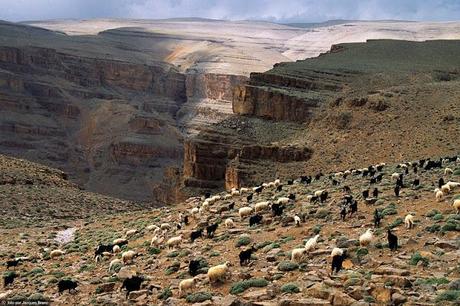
<point x="433" y="228"/>
<point x="287" y="266"/>
<point x="165" y="294"/>
<point x="154" y="251"/>
<point x="432" y="281"/>
<point x="322" y="213"/>
<point x="172" y="268"/>
<point x="316" y="229"/>
<point x="245" y="240"/>
<point x="396" y="223"/>
<point x="449" y="295"/>
<point x="290" y="288"/>
<point x="416" y="257"/>
<point x="432" y="213"/>
<point x="242" y="286"/>
<point x="198" y="297"/>
<point x="360" y="252"/>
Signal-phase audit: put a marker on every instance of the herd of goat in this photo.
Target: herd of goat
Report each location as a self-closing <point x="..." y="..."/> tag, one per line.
<point x="254" y="212"/>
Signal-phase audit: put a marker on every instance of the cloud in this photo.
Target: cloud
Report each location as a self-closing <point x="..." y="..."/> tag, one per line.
<point x="273" y="10"/>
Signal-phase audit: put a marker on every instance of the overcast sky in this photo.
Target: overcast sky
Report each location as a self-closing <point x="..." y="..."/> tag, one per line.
<point x="273" y="10"/>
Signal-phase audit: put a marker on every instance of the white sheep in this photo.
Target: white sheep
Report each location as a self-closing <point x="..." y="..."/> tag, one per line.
<point x="165" y="226"/>
<point x="119" y="241"/>
<point x="114" y="262"/>
<point x="445" y="189"/>
<point x="277" y="182"/>
<point x="116" y="249"/>
<point x="56" y="253"/>
<point x="297" y="220"/>
<point x="229" y="223"/>
<point x="244" y="212"/>
<point x="395" y="176"/>
<point x="298" y="254"/>
<point x="366" y="238"/>
<point x="128" y="256"/>
<point x="151" y="227"/>
<point x="130" y="233"/>
<point x="409" y="221"/>
<point x="244" y="190"/>
<point x="453" y="185"/>
<point x="456" y="205"/>
<point x="235" y="193"/>
<point x="261" y="206"/>
<point x="174" y="241"/>
<point x="227" y="196"/>
<point x="338" y="174"/>
<point x="311" y="243"/>
<point x="186" y="285"/>
<point x="336" y="252"/>
<point x="448" y="171"/>
<point x="156" y="241"/>
<point x="318" y="193"/>
<point x="194" y="212"/>
<point x="439" y="194"/>
<point x="282" y="200"/>
<point x="218" y="272"/>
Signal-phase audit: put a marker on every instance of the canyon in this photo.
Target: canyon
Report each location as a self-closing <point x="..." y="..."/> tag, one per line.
<point x="156" y="110"/>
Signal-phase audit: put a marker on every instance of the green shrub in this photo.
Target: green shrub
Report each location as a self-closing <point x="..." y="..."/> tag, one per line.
<point x="244" y="240"/>
<point x="457" y="172"/>
<point x="286" y="239"/>
<point x="173" y="254"/>
<point x="154" y="251"/>
<point x="198" y="297"/>
<point x="432" y="281"/>
<point x="240" y="287"/>
<point x="165" y="294"/>
<point x="389" y="211"/>
<point x="396" y="223"/>
<point x="287" y="266"/>
<point x="290" y="288"/>
<point x="360" y="252"/>
<point x="433" y="213"/>
<point x="322" y="213"/>
<point x="437" y="217"/>
<point x="172" y="268"/>
<point x="316" y="229"/>
<point x="416" y="257"/>
<point x="449" y="295"/>
<point x="433" y="228"/>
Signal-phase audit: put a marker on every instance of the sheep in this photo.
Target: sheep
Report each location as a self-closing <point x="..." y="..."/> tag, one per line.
<point x="229" y="223"/>
<point x="366" y="238"/>
<point x="243" y="190"/>
<point x="448" y="171"/>
<point x="297" y="220"/>
<point x="453" y="185"/>
<point x="244" y="212"/>
<point x="235" y="192"/>
<point x="318" y="193"/>
<point x="217" y="273"/>
<point x="395" y="176"/>
<point x="256" y="219"/>
<point x="116" y="249"/>
<point x="261" y="206"/>
<point x="227" y="196"/>
<point x="456" y="205"/>
<point x="56" y="253"/>
<point x="311" y="243"/>
<point x="165" y="226"/>
<point x="298" y="254"/>
<point x="392" y="240"/>
<point x="151" y="227"/>
<point x="120" y="242"/>
<point x="174" y="241"/>
<point x="194" y="212"/>
<point x="114" y="262"/>
<point x="282" y="200"/>
<point x="186" y="285"/>
<point x="409" y="221"/>
<point x="439" y="195"/>
<point x="445" y="189"/>
<point x="245" y="256"/>
<point x="66" y="284"/>
<point x="156" y="241"/>
<point x="100" y="249"/>
<point x="336" y="252"/>
<point x="132" y="284"/>
<point x="130" y="233"/>
<point x="128" y="256"/>
<point x="277" y="182"/>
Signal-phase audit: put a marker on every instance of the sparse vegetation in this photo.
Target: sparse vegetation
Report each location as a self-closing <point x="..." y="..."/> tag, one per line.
<point x="242" y="286"/>
<point x="287" y="266"/>
<point x="290" y="288"/>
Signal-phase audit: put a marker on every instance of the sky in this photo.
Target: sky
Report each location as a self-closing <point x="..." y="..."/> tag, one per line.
<point x="271" y="10"/>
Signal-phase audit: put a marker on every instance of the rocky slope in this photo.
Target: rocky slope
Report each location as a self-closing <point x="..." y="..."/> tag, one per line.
<point x="34" y="195"/>
<point x="359" y="103"/>
<point x="423" y="271"/>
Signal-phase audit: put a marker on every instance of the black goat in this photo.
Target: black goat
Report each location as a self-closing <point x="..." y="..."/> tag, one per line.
<point x="9" y="279"/>
<point x="101" y="248"/>
<point x="259" y="189"/>
<point x="366" y="194"/>
<point x="249" y="197"/>
<point x="323" y="196"/>
<point x="397" y="189"/>
<point x="416" y="182"/>
<point x="211" y="229"/>
<point x="347" y="199"/>
<point x="193" y="267"/>
<point x="277" y="209"/>
<point x="291" y="196"/>
<point x="305" y="179"/>
<point x="392" y="241"/>
<point x="66" y="284"/>
<point x="377" y="218"/>
<point x="379" y="177"/>
<point x="256" y="219"/>
<point x="207" y="195"/>
<point x="343" y="212"/>
<point x="12" y="263"/>
<point x="245" y="256"/>
<point x="290" y="182"/>
<point x="337" y="262"/>
<point x="196" y="234"/>
<point x="353" y="207"/>
<point x="440" y="182"/>
<point x="335" y="182"/>
<point x="279" y="188"/>
<point x="231" y="206"/>
<point x="375" y="193"/>
<point x="132" y="284"/>
<point x="346" y="189"/>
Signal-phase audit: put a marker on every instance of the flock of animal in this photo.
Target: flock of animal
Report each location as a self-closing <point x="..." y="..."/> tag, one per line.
<point x="254" y="212"/>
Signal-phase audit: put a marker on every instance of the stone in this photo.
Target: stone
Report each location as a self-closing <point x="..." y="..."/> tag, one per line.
<point x="125" y="272"/>
<point x="398" y="299"/>
<point x="381" y="294"/>
<point x="106" y="287"/>
<point x="447" y="245"/>
<point x="304" y="302"/>
<point x="319" y="291"/>
<point x="339" y="298"/>
<point x="133" y="295"/>
<point x="391" y="271"/>
<point x="257" y="295"/>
